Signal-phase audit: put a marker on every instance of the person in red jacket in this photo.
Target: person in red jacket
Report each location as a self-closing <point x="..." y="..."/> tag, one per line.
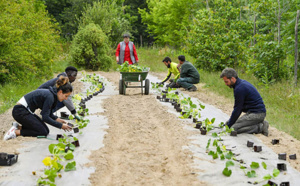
<point x="126" y="51"/>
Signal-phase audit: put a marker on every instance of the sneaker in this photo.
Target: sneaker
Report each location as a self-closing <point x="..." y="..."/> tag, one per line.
<point x="10" y="134"/>
<point x="15" y="124"/>
<point x="265" y="128"/>
<point x="192" y="89"/>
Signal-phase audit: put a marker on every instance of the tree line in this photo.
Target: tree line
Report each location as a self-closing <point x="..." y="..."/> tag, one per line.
<point x="257" y="36"/>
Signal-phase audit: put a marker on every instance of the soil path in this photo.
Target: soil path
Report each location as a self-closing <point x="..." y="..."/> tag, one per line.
<point x="143" y="144"/>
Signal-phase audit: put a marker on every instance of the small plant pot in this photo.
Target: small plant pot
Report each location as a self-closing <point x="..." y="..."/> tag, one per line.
<point x="67" y="148"/>
<point x="183" y="113"/>
<point x="198" y="125"/>
<point x="281" y="167"/>
<point x="282" y="156"/>
<point x="233" y="133"/>
<point x="59" y="136"/>
<point x="64" y="115"/>
<point x="173" y="103"/>
<point x="272" y="183"/>
<point x="250" y="144"/>
<point x="76" y="143"/>
<point x="203" y="131"/>
<point x="95" y="94"/>
<point x="275" y="141"/>
<point x="90" y="96"/>
<point x="164" y="96"/>
<point x="76" y="129"/>
<point x="158" y="97"/>
<point x="164" y="91"/>
<point x="71" y="125"/>
<point x="167" y="99"/>
<point x="176" y="92"/>
<point x="179" y="109"/>
<point x="195" y="120"/>
<point x="81" y="114"/>
<point x="8" y="159"/>
<point x="190" y="117"/>
<point x="257" y="148"/>
<point x="292" y="157"/>
<point x="285" y="183"/>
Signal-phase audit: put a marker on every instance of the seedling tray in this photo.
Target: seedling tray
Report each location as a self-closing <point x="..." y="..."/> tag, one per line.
<point x="8" y="159"/>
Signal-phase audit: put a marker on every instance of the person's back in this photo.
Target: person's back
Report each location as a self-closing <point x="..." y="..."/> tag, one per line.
<point x="188" y="70"/>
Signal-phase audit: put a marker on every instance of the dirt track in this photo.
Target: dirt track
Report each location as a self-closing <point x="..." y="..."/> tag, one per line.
<point x="144" y="142"/>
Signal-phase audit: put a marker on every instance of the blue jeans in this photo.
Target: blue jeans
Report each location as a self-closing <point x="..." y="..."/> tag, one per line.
<point x="187" y="82"/>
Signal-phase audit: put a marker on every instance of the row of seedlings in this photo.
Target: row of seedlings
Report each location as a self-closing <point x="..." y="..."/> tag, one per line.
<point x="62" y="151"/>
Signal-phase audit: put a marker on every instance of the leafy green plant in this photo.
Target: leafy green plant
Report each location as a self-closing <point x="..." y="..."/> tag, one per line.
<point x="125" y="67"/>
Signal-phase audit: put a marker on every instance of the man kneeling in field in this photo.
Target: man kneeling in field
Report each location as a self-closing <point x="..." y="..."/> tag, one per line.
<point x="248" y="100"/>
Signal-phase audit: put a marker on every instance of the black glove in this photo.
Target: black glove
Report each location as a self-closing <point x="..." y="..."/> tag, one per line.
<point x="160" y="83"/>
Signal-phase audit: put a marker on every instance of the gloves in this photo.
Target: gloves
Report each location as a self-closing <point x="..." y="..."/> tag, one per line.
<point x="160" y="83"/>
<point x="77" y="117"/>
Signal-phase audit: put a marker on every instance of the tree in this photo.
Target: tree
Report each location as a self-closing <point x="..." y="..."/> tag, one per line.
<point x="28" y="40"/>
<point x="90" y="48"/>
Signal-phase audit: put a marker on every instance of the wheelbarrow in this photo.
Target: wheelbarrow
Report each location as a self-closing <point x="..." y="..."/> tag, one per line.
<point x="127" y="77"/>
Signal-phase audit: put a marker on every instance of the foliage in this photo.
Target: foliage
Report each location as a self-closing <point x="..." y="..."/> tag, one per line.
<point x="89" y="48"/>
<point x="168" y="20"/>
<point x="217" y="38"/>
<point x="108" y="15"/>
<point x="125" y="67"/>
<point x="28" y="40"/>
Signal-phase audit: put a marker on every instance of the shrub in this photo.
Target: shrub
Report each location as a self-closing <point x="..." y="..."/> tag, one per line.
<point x="90" y="49"/>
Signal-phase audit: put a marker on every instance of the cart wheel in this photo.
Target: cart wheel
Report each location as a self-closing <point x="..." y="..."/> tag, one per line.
<point x="120" y="86"/>
<point x="147" y="85"/>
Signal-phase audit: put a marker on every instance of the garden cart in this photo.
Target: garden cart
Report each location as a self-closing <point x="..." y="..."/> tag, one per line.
<point x="127" y="77"/>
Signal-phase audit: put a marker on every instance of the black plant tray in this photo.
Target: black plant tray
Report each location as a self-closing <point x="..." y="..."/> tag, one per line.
<point x="8" y="159"/>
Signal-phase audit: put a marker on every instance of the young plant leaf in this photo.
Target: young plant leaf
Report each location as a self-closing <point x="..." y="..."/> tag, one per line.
<point x="229" y="163"/>
<point x="254" y="165"/>
<point x="242" y="167"/>
<point x="208" y="144"/>
<point x="227" y="172"/>
<point x="70" y="166"/>
<point x="219" y="150"/>
<point x="276" y="172"/>
<point x="213" y="120"/>
<point x="69" y="155"/>
<point x="251" y="174"/>
<point x="215" y="143"/>
<point x="267" y="177"/>
<point x="215" y="156"/>
<point x="264" y="165"/>
<point x="214" y="135"/>
<point x="222" y="157"/>
<point x="229" y="155"/>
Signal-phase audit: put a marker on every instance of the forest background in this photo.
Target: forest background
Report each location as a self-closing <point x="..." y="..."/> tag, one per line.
<point x="259" y="38"/>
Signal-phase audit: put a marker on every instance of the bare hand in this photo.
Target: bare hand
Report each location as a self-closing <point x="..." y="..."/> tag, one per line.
<point x="66" y="127"/>
<point x="117" y="58"/>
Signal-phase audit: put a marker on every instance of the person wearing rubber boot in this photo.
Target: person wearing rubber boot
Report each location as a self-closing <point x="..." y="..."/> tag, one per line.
<point x="189" y="75"/>
<point x="248" y="100"/>
<point x="71" y="73"/>
<point x="172" y="69"/>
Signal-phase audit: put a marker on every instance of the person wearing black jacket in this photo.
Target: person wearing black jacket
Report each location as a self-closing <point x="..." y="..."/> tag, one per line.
<point x="46" y="100"/>
<point x="247" y="100"/>
<point x="71" y="73"/>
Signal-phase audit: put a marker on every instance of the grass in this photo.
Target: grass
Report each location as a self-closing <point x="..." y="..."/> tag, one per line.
<point x="11" y="92"/>
<point x="281" y="100"/>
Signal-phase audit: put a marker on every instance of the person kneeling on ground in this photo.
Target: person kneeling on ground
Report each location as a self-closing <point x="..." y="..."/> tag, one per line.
<point x="71" y="73"/>
<point x="248" y="100"/>
<point x="172" y="68"/>
<point x="44" y="99"/>
<point x="189" y="75"/>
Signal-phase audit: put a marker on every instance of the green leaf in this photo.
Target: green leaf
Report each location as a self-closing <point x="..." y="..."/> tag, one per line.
<point x="214" y="135"/>
<point x="222" y="157"/>
<point x="229" y="163"/>
<point x="254" y="165"/>
<point x="227" y="172"/>
<point x="211" y="152"/>
<point x="267" y="177"/>
<point x="215" y="143"/>
<point x="215" y="156"/>
<point x="208" y="143"/>
<point x="219" y="150"/>
<point x="69" y="155"/>
<point x="276" y="172"/>
<point x="242" y="167"/>
<point x="251" y="174"/>
<point x="51" y="147"/>
<point x="70" y="166"/>
<point x="213" y="120"/>
<point x="229" y="155"/>
<point x="264" y="165"/>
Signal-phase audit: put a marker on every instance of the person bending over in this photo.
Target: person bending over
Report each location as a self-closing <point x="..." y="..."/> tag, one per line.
<point x="189" y="75"/>
<point x="172" y="68"/>
<point x="44" y="99"/>
<point x="247" y="100"/>
<point x="71" y="73"/>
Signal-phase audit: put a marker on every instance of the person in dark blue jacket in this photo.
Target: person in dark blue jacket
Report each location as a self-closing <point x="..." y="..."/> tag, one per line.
<point x="247" y="100"/>
<point x="44" y="99"/>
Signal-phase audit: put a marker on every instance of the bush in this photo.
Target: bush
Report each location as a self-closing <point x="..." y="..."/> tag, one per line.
<point x="90" y="49"/>
<point x="28" y="40"/>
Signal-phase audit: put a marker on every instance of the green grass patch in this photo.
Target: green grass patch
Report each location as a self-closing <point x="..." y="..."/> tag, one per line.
<point x="11" y="92"/>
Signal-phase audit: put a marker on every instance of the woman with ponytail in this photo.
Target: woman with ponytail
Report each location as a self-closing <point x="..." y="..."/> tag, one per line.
<point x="44" y="99"/>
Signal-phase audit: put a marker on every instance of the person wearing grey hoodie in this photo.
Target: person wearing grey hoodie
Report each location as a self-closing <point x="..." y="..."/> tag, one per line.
<point x="46" y="100"/>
